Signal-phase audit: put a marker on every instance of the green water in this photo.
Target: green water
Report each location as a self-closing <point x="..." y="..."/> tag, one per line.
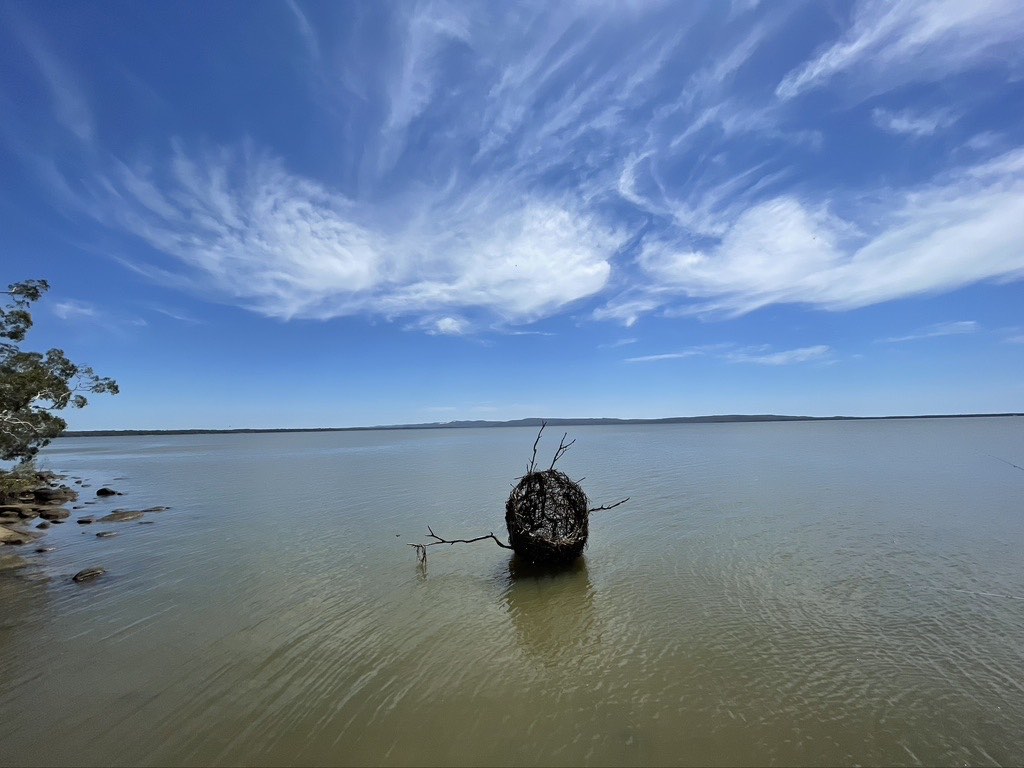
<point x="793" y="593"/>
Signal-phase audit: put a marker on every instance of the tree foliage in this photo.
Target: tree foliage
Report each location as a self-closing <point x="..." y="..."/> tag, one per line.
<point x="35" y="386"/>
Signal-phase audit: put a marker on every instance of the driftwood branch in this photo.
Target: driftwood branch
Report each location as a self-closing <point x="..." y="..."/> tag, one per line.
<point x="607" y="506"/>
<point x="421" y="549"/>
<point x="1005" y="462"/>
<point x="562" y="448"/>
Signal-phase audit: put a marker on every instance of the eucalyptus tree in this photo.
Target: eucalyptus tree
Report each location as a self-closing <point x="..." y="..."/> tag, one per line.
<point x="36" y="386"/>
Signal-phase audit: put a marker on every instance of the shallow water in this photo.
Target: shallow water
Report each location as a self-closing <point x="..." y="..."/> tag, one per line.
<point x="788" y="593"/>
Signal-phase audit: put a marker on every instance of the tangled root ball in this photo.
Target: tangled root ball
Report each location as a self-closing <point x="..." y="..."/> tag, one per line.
<point x="547" y="516"/>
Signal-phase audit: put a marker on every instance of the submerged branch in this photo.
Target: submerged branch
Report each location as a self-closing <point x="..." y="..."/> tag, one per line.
<point x="421" y="549"/>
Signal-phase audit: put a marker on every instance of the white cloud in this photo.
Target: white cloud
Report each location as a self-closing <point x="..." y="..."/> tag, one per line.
<point x="949" y="233"/>
<point x="525" y="333"/>
<point x="759" y="356"/>
<point x="491" y="147"/>
<point x="449" y="326"/>
<point x="427" y="30"/>
<point x="984" y="141"/>
<point x="666" y="356"/>
<point x="618" y="343"/>
<point x="893" y="42"/>
<point x="70" y="105"/>
<point x="83" y="313"/>
<point x="75" y="310"/>
<point x="626" y="310"/>
<point x="285" y="246"/>
<point x="911" y="124"/>
<point x="309" y="36"/>
<point x="939" y="329"/>
<point x="176" y="315"/>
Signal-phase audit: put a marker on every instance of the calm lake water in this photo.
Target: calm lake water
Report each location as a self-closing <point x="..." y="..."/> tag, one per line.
<point x="788" y="593"/>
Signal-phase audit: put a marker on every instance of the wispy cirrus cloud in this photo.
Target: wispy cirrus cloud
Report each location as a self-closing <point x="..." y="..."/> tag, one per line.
<point x="890" y="43"/>
<point x="288" y="247"/>
<point x="72" y="309"/>
<point x="448" y="326"/>
<point x="177" y="315"/>
<point x="665" y="356"/>
<point x="70" y="104"/>
<point x="954" y="328"/>
<point x="761" y="356"/>
<point x="732" y="353"/>
<point x="505" y="163"/>
<point x="83" y="313"/>
<point x="786" y="250"/>
<point x="619" y="343"/>
<point x="912" y="124"/>
<point x="305" y="29"/>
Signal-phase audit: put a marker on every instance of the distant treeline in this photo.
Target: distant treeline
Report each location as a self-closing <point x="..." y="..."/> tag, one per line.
<point x="729" y="418"/>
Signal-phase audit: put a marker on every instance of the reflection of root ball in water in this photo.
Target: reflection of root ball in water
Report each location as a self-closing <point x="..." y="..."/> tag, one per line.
<point x="547" y="516"/>
<point x="552" y="609"/>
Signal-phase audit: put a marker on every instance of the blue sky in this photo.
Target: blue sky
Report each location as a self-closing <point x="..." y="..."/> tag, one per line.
<point x="330" y="214"/>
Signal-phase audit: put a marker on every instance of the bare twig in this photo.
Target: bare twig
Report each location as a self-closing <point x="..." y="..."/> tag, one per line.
<point x="562" y="448"/>
<point x="1005" y="461"/>
<point x="533" y="459"/>
<point x="607" y="506"/>
<point x="421" y="549"/>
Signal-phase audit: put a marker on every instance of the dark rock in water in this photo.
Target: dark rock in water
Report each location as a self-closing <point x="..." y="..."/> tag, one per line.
<point x="16" y="538"/>
<point x="86" y="520"/>
<point x="78" y="482"/>
<point x="57" y="495"/>
<point x="57" y="522"/>
<point x="104" y="491"/>
<point x="106" y="534"/>
<point x="43" y="525"/>
<point x="12" y="562"/>
<point x="547" y="517"/>
<point x="156" y="509"/>
<point x="77" y="506"/>
<point x="54" y="513"/>
<point x="41" y="550"/>
<point x="147" y="522"/>
<point x="120" y="516"/>
<point x="14" y="512"/>
<point x="87" y="574"/>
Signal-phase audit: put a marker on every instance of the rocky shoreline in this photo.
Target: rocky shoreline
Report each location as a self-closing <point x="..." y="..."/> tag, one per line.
<point x="26" y="515"/>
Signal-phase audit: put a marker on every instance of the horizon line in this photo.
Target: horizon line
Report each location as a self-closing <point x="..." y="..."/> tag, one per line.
<point x="527" y="422"/>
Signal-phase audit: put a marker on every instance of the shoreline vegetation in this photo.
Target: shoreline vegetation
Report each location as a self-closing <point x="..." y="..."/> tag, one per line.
<point x="531" y="422"/>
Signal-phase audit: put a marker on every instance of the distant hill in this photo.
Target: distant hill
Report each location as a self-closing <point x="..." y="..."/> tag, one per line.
<point x="533" y="422"/>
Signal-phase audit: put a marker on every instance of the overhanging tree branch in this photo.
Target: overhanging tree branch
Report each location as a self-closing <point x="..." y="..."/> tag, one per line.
<point x="34" y="386"/>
